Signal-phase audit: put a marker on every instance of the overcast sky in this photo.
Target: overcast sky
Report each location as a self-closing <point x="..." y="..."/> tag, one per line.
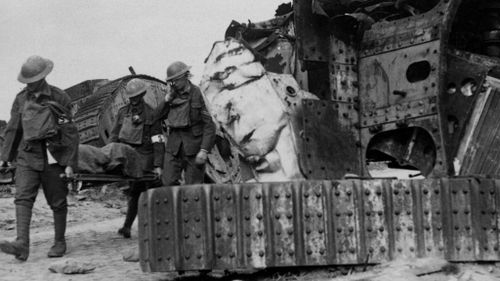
<point x="92" y="39"/>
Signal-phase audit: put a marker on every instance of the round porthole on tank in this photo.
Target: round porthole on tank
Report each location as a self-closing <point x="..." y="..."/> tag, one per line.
<point x="291" y="91"/>
<point x="418" y="71"/>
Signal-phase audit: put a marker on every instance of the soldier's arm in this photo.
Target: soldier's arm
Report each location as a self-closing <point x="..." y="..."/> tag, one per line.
<point x="117" y="126"/>
<point x="208" y="139"/>
<point x="158" y="141"/>
<point x="163" y="111"/>
<point x="13" y="133"/>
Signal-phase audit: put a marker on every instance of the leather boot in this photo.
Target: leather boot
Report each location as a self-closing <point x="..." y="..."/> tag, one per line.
<point x="125" y="232"/>
<point x="59" y="247"/>
<point x="133" y="202"/>
<point x="20" y="247"/>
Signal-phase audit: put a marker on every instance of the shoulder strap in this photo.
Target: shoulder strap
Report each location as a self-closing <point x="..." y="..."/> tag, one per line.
<point x="58" y="109"/>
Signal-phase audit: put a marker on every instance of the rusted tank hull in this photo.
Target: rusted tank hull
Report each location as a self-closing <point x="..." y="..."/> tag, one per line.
<point x="310" y="223"/>
<point x="408" y="87"/>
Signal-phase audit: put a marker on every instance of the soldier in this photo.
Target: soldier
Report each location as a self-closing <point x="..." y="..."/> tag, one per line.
<point x="44" y="144"/>
<point x="137" y="126"/>
<point x="191" y="129"/>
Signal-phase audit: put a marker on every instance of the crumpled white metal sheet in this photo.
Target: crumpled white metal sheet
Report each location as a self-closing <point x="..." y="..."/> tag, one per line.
<point x="257" y="110"/>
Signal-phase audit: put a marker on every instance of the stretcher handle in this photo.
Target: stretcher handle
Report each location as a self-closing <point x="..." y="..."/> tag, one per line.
<point x="98" y="177"/>
<point x="64" y="176"/>
<point x="7" y="169"/>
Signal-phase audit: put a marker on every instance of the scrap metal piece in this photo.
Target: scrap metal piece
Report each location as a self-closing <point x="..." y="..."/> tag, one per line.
<point x="461" y="242"/>
<point x="194" y="245"/>
<point x="373" y="213"/>
<point x="316" y="243"/>
<point x="144" y="246"/>
<point x="462" y="73"/>
<point x="431" y="241"/>
<point x="329" y="147"/>
<point x="484" y="199"/>
<point x="345" y="231"/>
<point x="312" y="33"/>
<point x="158" y="216"/>
<point x="224" y="205"/>
<point x="281" y="229"/>
<point x="478" y="153"/>
<point x="404" y="218"/>
<point x="253" y="225"/>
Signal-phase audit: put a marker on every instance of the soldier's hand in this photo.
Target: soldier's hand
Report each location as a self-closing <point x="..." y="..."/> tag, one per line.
<point x="69" y="172"/>
<point x="157" y="171"/>
<point x="201" y="157"/>
<point x="170" y="95"/>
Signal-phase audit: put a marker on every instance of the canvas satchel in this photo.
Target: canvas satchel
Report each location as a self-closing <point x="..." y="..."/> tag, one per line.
<point x="131" y="133"/>
<point x="67" y="131"/>
<point x="38" y="121"/>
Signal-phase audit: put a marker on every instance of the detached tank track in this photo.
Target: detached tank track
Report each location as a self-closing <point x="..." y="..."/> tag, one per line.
<point x="256" y="226"/>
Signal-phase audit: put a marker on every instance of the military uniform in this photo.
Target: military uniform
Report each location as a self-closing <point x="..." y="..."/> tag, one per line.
<point x="191" y="129"/>
<point x="137" y="126"/>
<point x="40" y="157"/>
<point x="152" y="153"/>
<point x="32" y="159"/>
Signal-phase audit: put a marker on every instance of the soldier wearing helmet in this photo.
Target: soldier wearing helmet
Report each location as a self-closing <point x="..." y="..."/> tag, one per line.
<point x="137" y="126"/>
<point x="191" y="129"/>
<point x="44" y="143"/>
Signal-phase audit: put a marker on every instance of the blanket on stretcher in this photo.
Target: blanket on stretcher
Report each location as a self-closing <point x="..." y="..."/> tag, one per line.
<point x="114" y="158"/>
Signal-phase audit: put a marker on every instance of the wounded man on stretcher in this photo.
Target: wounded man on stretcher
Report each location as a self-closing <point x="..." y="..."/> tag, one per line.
<point x="113" y="161"/>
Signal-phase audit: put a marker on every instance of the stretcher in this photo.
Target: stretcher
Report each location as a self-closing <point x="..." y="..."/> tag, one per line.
<point x="77" y="179"/>
<point x="108" y="177"/>
<point x="7" y="175"/>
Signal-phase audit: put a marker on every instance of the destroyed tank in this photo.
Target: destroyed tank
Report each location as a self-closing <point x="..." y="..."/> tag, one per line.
<point x="95" y="104"/>
<point x="411" y="83"/>
<point x="406" y="84"/>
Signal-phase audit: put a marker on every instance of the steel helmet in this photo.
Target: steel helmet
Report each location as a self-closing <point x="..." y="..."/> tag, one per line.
<point x="34" y="69"/>
<point x="135" y="87"/>
<point x="176" y="70"/>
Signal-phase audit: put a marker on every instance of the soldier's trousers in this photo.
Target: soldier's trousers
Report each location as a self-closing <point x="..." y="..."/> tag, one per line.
<point x="54" y="188"/>
<point x="175" y="164"/>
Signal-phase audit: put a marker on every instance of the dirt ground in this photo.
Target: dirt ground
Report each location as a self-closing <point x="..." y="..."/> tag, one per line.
<point x="93" y="220"/>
